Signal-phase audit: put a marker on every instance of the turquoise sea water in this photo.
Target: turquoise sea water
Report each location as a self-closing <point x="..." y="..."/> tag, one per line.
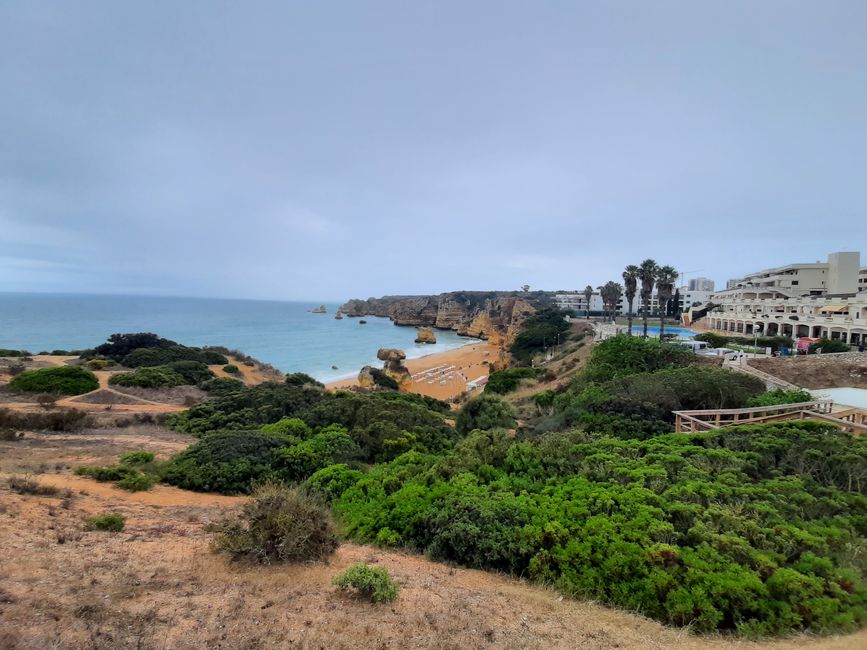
<point x="284" y="334"/>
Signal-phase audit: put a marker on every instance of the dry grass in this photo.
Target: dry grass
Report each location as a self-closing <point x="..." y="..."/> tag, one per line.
<point x="156" y="586"/>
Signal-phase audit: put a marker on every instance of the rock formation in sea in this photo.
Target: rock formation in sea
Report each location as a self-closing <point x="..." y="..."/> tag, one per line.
<point x="425" y="335"/>
<point x="492" y="315"/>
<point x="394" y="367"/>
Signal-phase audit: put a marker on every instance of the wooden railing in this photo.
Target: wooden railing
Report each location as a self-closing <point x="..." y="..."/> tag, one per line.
<point x="706" y="420"/>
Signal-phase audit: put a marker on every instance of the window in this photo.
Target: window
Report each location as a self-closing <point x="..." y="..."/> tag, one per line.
<point x="794" y="282"/>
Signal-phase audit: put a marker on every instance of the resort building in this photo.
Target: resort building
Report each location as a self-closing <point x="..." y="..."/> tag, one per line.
<point x="701" y="284"/>
<point x="821" y="300"/>
<point x="576" y="301"/>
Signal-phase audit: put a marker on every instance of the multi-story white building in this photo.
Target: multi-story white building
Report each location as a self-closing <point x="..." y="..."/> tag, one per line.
<point x="822" y="299"/>
<point x="701" y="284"/>
<point x="577" y="302"/>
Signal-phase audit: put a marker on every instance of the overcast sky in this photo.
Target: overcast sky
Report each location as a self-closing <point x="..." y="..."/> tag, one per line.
<point x="327" y="150"/>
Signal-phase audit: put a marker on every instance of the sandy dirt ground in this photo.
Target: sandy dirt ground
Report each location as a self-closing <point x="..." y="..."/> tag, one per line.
<point x="250" y="375"/>
<point x="156" y="585"/>
<point x="464" y="364"/>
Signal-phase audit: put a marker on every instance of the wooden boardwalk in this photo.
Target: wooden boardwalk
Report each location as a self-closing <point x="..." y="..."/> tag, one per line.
<point x="852" y="420"/>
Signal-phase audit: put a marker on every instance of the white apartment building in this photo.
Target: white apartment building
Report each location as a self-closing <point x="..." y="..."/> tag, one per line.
<point x="577" y="302"/>
<point x="821" y="299"/>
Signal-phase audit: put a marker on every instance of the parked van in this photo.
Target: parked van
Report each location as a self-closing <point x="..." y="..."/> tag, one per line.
<point x="696" y="346"/>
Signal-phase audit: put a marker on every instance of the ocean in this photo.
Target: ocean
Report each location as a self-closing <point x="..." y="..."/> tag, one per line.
<point x="284" y="334"/>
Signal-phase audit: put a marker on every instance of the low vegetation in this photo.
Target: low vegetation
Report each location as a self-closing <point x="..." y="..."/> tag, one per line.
<point x="774" y="397"/>
<point x="279" y="524"/>
<point x="63" y="380"/>
<point x="111" y="522"/>
<point x="147" y="349"/>
<point x="153" y="377"/>
<point x="505" y="381"/>
<point x="542" y="330"/>
<point x="371" y="583"/>
<point x="60" y="420"/>
<point x="28" y="485"/>
<point x="757" y="530"/>
<point x="232" y="369"/>
<point x="136" y="472"/>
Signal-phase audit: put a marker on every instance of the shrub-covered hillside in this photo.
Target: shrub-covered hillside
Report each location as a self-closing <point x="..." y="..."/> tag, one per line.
<point x="759" y="530"/>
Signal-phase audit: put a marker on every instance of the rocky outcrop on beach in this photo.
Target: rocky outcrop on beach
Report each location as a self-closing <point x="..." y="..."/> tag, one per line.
<point x="365" y="377"/>
<point x="425" y="335"/>
<point x="394" y="367"/>
<point x="492" y="315"/>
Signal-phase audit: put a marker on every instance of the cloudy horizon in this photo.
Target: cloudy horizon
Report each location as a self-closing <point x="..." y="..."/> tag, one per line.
<point x="336" y="150"/>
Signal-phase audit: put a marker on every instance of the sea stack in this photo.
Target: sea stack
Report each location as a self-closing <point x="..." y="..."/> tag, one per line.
<point x="319" y="310"/>
<point x="425" y="335"/>
<point x="394" y="367"/>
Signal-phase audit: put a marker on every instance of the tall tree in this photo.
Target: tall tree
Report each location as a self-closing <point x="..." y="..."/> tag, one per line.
<point x="630" y="279"/>
<point x="588" y="294"/>
<point x="666" y="276"/>
<point x="611" y="293"/>
<point x="647" y="275"/>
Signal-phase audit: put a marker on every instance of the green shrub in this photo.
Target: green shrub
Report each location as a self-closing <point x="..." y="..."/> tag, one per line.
<point x="279" y="524"/>
<point x="373" y="583"/>
<point x="109" y="522"/>
<point x="485" y="412"/>
<point x="722" y="341"/>
<point x="144" y="357"/>
<point x="301" y="379"/>
<point x="828" y="346"/>
<point x="120" y="345"/>
<point x="151" y="377"/>
<point x="505" y="381"/>
<point x="63" y="380"/>
<point x="138" y="482"/>
<point x="292" y="427"/>
<point x="4" y="352"/>
<point x="774" y="397"/>
<point x="221" y="386"/>
<point x="227" y="461"/>
<point x="624" y="355"/>
<point x="747" y="529"/>
<point x="137" y="458"/>
<point x="193" y="372"/>
<point x="232" y="369"/>
<point x="106" y="473"/>
<point x="97" y="364"/>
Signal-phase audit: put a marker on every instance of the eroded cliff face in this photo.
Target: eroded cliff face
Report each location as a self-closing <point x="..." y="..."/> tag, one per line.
<point x="491" y="315"/>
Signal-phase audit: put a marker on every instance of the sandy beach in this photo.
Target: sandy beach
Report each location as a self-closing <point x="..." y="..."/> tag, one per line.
<point x="447" y="372"/>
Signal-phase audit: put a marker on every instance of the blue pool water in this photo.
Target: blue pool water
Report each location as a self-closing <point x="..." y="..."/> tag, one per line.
<point x="284" y="334"/>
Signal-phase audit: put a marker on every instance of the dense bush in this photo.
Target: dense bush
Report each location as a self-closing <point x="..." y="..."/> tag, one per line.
<point x="247" y="408"/>
<point x="373" y="583"/>
<point x="774" y="397"/>
<point x="757" y="529"/>
<point x="155" y="377"/>
<point x="279" y="524"/>
<point x="301" y="379"/>
<point x="137" y="458"/>
<point x="828" y="346"/>
<point x="227" y="461"/>
<point x="194" y="372"/>
<point x="143" y="357"/>
<point x="63" y="380"/>
<point x="232" y="369"/>
<point x="4" y="352"/>
<point x="120" y="345"/>
<point x="221" y="386"/>
<point x="110" y="522"/>
<point x="505" y="381"/>
<point x="627" y="355"/>
<point x="485" y="412"/>
<point x="538" y="332"/>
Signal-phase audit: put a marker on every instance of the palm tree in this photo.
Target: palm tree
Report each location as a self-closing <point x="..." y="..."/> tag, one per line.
<point x="611" y="293"/>
<point x="665" y="279"/>
<point x="647" y="275"/>
<point x="588" y="294"/>
<point x="630" y="279"/>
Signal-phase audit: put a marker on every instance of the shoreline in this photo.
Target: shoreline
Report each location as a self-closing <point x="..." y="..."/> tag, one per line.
<point x="443" y="375"/>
